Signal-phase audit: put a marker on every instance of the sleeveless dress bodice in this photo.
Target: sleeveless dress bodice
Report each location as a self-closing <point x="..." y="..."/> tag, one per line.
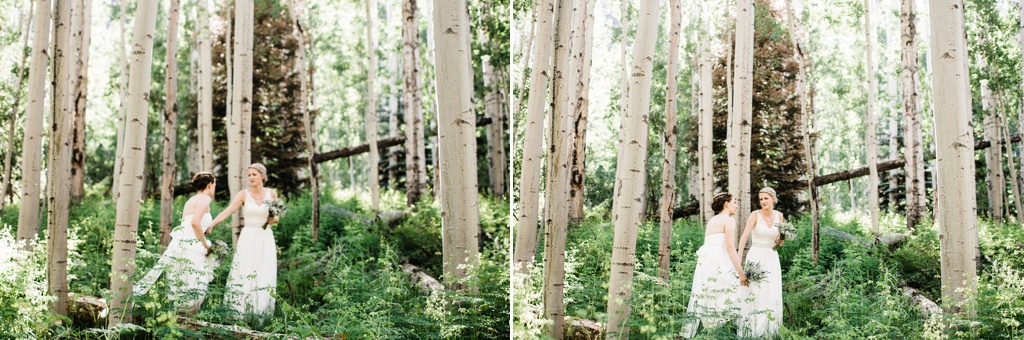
<point x="255" y="213"/>
<point x="764" y="232"/>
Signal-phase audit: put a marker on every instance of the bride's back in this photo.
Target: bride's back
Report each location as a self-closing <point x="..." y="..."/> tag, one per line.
<point x="190" y="205"/>
<point x="717" y="225"/>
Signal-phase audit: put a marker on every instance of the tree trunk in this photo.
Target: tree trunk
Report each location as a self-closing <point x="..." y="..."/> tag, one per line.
<point x="631" y="170"/>
<point x="525" y="50"/>
<point x="170" y="128"/>
<point x="241" y="106"/>
<point x="533" y="138"/>
<point x="1014" y="184"/>
<point x="668" y="166"/>
<point x="556" y="193"/>
<point x="297" y="9"/>
<point x="704" y="135"/>
<point x="958" y="228"/>
<point x="119" y="152"/>
<point x="993" y="160"/>
<point x="59" y="162"/>
<point x="231" y="118"/>
<point x="624" y="37"/>
<point x="415" y="145"/>
<point x="205" y="90"/>
<point x="371" y="104"/>
<point x="578" y="163"/>
<point x="893" y="153"/>
<point x="912" y="136"/>
<point x="32" y="145"/>
<point x="495" y="134"/>
<point x="81" y="88"/>
<point x="870" y="141"/>
<point x="739" y="181"/>
<point x="9" y="155"/>
<point x="460" y="220"/>
<point x="133" y="163"/>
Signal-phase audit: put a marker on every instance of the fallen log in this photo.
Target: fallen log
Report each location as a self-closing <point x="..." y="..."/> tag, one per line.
<point x="927" y="306"/>
<point x="381" y="143"/>
<point x="87" y="311"/>
<point x="885" y="166"/>
<point x="582" y="329"/>
<point x="427" y="284"/>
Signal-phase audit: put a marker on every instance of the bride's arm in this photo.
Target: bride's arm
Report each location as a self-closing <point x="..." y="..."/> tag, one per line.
<point x="275" y="219"/>
<point x="751" y="221"/>
<point x="235" y="203"/>
<point x="202" y="206"/>
<point x="730" y="234"/>
<point x="778" y="239"/>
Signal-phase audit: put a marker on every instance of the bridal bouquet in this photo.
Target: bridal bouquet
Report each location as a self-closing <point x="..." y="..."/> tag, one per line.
<point x="277" y="208"/>
<point x="786" y="231"/>
<point x="755" y="273"/>
<point x="220" y="249"/>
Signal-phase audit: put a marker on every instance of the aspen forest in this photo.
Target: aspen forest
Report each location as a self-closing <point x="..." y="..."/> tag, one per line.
<point x="380" y="129"/>
<point x="889" y="131"/>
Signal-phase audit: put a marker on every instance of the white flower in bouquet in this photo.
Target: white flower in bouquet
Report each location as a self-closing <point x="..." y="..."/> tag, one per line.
<point x="787" y="231"/>
<point x="277" y="209"/>
<point x="220" y="249"/>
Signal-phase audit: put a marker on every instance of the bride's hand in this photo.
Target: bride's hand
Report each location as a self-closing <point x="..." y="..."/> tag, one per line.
<point x="208" y="230"/>
<point x="273" y="220"/>
<point x="744" y="282"/>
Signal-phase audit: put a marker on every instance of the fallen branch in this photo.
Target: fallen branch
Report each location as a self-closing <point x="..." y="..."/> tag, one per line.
<point x="427" y="284"/>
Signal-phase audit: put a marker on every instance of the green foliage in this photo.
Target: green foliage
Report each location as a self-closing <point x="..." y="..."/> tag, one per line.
<point x="350" y="282"/>
<point x="854" y="291"/>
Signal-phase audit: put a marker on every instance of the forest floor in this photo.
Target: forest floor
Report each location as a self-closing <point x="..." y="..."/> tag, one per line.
<point x="856" y="290"/>
<point x="349" y="283"/>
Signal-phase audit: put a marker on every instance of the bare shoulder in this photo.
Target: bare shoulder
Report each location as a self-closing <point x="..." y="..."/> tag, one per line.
<point x="273" y="192"/>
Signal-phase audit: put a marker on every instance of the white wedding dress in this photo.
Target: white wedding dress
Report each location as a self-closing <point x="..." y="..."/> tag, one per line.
<point x="713" y="294"/>
<point x="189" y="270"/>
<point x="253" y="275"/>
<point x="762" y="314"/>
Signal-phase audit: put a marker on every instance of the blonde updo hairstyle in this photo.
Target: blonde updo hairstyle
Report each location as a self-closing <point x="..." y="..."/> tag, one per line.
<point x="770" y="191"/>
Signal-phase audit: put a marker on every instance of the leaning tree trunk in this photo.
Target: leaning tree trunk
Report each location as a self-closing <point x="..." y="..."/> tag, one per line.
<point x="525" y="50"/>
<point x="205" y="90"/>
<point x="577" y="182"/>
<point x="958" y="230"/>
<point x="9" y="155"/>
<point x="704" y="131"/>
<point x="801" y="85"/>
<point x="912" y="137"/>
<point x="668" y="166"/>
<point x="123" y="87"/>
<point x="460" y="220"/>
<point x="993" y="160"/>
<point x="1014" y="184"/>
<point x="32" y="145"/>
<point x="624" y="78"/>
<point x="170" y="128"/>
<point x="241" y="106"/>
<point x="872" y="144"/>
<point x="529" y="184"/>
<point x="297" y="10"/>
<point x="415" y="143"/>
<point x="133" y="164"/>
<point x="81" y="84"/>
<point x="631" y="171"/>
<point x="371" y="104"/>
<point x="739" y="174"/>
<point x="556" y="194"/>
<point x="59" y="162"/>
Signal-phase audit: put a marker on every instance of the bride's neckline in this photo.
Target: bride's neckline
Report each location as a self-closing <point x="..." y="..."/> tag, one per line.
<point x="259" y="199"/>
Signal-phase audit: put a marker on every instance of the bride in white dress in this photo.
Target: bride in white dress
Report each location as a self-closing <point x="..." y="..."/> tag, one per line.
<point x="186" y="261"/>
<point x="253" y="277"/>
<point x="763" y="313"/>
<point x="715" y="279"/>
